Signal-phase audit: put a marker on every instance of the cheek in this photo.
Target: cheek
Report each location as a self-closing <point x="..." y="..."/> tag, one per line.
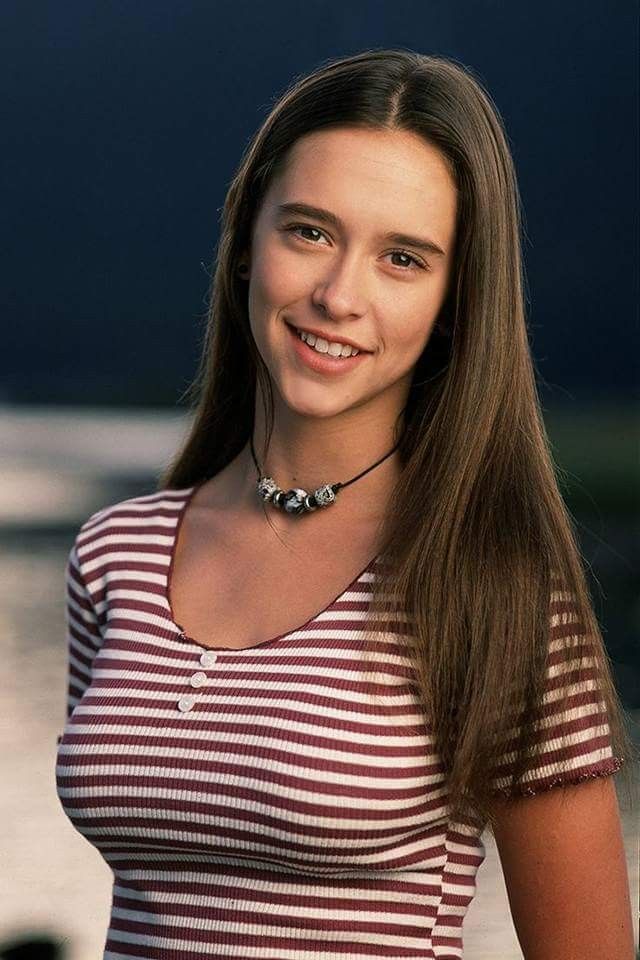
<point x="269" y="299"/>
<point x="278" y="278"/>
<point x="264" y="300"/>
<point x="407" y="333"/>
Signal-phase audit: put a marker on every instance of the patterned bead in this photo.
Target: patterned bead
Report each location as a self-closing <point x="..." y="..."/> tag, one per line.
<point x="267" y="487"/>
<point x="293" y="501"/>
<point x="324" y="495"/>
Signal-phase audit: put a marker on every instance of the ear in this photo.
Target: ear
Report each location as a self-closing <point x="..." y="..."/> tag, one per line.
<point x="243" y="267"/>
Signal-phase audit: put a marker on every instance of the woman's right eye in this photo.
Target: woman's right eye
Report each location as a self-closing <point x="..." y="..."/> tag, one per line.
<point x="302" y="226"/>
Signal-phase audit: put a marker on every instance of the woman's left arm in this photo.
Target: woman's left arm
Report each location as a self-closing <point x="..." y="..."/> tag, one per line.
<point x="565" y="872"/>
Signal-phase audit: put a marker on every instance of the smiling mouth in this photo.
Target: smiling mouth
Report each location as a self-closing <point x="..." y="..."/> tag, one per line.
<point x="322" y="363"/>
<point x="311" y="339"/>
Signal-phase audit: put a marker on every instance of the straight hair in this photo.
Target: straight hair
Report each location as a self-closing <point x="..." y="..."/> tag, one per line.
<point x="483" y="582"/>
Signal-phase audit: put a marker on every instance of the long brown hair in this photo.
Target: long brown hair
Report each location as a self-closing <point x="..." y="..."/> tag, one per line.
<point x="481" y="554"/>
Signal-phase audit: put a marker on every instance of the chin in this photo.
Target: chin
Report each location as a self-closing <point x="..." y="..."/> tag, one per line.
<point x="308" y="401"/>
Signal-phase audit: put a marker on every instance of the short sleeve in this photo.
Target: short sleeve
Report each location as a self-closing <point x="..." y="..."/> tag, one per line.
<point x="573" y="737"/>
<point x="83" y="636"/>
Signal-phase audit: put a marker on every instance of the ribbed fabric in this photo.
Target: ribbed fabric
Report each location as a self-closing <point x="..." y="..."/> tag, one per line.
<point x="297" y="810"/>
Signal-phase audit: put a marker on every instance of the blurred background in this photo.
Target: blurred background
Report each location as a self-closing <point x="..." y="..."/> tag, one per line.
<point x="122" y="126"/>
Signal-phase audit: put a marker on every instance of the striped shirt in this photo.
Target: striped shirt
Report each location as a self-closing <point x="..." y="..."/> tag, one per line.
<point x="264" y="803"/>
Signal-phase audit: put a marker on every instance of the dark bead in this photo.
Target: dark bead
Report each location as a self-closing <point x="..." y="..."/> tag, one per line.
<point x="294" y="501"/>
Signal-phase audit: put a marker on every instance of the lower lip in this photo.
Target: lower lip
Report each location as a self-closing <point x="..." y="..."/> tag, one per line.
<point x="322" y="362"/>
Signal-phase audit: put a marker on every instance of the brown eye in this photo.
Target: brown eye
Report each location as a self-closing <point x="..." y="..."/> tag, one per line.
<point x="302" y="226"/>
<point x="414" y="262"/>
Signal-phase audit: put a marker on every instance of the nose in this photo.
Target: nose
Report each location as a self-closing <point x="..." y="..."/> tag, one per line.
<point x="339" y="292"/>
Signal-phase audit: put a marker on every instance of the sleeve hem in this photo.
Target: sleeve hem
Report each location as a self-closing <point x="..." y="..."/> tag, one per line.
<point x="605" y="769"/>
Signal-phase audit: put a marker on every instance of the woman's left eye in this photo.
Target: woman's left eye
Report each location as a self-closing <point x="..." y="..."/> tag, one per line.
<point x="393" y="253"/>
<point x="414" y="260"/>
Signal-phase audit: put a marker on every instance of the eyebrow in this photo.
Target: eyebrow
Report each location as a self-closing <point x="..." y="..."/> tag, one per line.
<point x="318" y="213"/>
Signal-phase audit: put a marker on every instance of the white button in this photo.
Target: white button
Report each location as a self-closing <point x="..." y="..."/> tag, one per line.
<point x="198" y="679"/>
<point x="208" y="658"/>
<point x="186" y="703"/>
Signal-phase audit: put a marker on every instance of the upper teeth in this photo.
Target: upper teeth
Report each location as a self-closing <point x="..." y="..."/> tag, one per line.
<point x="324" y="346"/>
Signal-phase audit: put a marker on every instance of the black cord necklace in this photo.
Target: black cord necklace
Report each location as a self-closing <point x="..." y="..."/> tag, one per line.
<point x="297" y="501"/>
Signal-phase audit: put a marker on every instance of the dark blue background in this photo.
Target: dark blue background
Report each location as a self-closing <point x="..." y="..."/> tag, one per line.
<point x="123" y="123"/>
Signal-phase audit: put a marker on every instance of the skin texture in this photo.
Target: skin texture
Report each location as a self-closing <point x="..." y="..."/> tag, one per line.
<point x="348" y="281"/>
<point x="565" y="872"/>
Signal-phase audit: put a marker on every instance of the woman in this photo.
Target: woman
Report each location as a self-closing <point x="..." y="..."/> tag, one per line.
<point x="271" y="772"/>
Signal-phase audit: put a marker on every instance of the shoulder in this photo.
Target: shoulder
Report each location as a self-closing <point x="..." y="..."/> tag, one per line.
<point x="127" y="520"/>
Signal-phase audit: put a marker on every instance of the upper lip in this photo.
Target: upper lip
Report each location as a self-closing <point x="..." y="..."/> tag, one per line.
<point x="331" y="337"/>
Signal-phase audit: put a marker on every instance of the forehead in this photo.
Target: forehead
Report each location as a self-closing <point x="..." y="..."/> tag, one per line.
<point x="383" y="173"/>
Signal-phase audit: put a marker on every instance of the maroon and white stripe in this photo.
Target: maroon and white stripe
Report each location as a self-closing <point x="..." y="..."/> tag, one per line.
<point x="298" y="809"/>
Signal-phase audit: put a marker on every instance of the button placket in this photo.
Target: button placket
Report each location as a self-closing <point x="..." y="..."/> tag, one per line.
<point x="197" y="680"/>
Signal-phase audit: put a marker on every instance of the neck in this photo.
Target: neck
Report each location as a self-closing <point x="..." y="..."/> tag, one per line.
<point x="307" y="452"/>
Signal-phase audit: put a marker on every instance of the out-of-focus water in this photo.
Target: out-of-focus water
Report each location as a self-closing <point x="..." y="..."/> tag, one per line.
<point x="57" y="468"/>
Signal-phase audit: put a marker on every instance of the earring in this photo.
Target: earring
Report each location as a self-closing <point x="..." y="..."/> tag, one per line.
<point x="243" y="268"/>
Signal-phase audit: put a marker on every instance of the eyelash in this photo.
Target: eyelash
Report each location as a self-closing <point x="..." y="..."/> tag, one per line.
<point x="418" y="263"/>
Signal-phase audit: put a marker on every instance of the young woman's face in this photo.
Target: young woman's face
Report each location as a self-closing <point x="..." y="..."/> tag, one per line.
<point x="338" y="274"/>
